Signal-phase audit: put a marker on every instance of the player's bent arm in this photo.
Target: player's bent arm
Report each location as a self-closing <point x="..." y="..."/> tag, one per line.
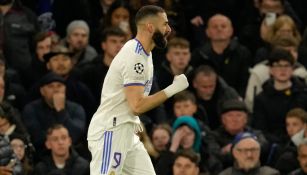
<point x="139" y="103"/>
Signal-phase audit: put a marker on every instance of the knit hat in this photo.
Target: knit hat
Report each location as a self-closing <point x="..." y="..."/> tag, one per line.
<point x="77" y="24"/>
<point x="279" y="54"/>
<point x="233" y="105"/>
<point x="241" y="136"/>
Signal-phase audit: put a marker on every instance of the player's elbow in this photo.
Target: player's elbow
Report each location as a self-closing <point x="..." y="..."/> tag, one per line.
<point x="137" y="110"/>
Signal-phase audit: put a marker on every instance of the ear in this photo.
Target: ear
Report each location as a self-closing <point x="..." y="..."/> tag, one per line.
<point x="47" y="144"/>
<point x="271" y="71"/>
<point x="189" y="56"/>
<point x="194" y="83"/>
<point x="223" y="120"/>
<point x="68" y="39"/>
<point x="70" y="141"/>
<point x="207" y="32"/>
<point x="234" y="153"/>
<point x="150" y="27"/>
<point x="231" y="30"/>
<point x="168" y="56"/>
<point x="48" y="65"/>
<point x="197" y="169"/>
<point x="194" y="108"/>
<point x="103" y="45"/>
<point x="41" y="90"/>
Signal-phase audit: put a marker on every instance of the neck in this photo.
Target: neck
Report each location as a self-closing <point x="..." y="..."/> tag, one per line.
<point x="41" y="59"/>
<point x="176" y="71"/>
<point x="5" y="8"/>
<point x="234" y="132"/>
<point x="220" y="46"/>
<point x="282" y="85"/>
<point x="146" y="42"/>
<point x="205" y="97"/>
<point x="107" y="59"/>
<point x="60" y="159"/>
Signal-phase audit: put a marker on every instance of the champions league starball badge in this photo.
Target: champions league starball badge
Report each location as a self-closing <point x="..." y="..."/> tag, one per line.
<point x="139" y="68"/>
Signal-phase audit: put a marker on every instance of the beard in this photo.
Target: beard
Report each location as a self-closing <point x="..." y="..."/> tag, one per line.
<point x="6" y="2"/>
<point x="159" y="39"/>
<point x="249" y="164"/>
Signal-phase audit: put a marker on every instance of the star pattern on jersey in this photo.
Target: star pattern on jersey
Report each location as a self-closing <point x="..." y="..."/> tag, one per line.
<point x="139" y="68"/>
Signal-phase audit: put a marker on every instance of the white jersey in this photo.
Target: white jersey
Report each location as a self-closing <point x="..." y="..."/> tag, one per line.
<point x="132" y="66"/>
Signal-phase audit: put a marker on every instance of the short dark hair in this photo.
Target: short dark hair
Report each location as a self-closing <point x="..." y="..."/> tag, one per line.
<point x="184" y="96"/>
<point x="41" y="36"/>
<point x="54" y="127"/>
<point x="279" y="54"/>
<point x="112" y="31"/>
<point x="298" y="113"/>
<point x="189" y="154"/>
<point x="146" y="11"/>
<point x="204" y="69"/>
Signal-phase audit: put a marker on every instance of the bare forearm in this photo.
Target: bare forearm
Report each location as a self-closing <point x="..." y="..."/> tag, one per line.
<point x="140" y="103"/>
<point x="147" y="103"/>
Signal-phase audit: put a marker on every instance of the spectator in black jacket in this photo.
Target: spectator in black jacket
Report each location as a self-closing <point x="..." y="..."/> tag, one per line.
<point x="211" y="91"/>
<point x="302" y="158"/>
<point x="44" y="41"/>
<point x="53" y="108"/>
<point x="178" y="57"/>
<point x="234" y="120"/>
<point x="59" y="62"/>
<point x="224" y="53"/>
<point x="280" y="94"/>
<point x="62" y="158"/>
<point x="177" y="61"/>
<point x="18" y="26"/>
<point x="296" y="129"/>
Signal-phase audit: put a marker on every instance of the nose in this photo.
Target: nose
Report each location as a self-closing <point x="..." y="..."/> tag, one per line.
<point x="168" y="29"/>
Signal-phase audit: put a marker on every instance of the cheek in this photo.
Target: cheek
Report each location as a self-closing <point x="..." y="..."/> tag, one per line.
<point x="165" y="140"/>
<point x="22" y="153"/>
<point x="115" y="21"/>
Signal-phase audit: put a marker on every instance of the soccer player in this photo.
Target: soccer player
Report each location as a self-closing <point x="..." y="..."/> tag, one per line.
<point x="112" y="139"/>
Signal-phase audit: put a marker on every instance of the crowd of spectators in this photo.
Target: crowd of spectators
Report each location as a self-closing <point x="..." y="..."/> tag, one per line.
<point x="243" y="113"/>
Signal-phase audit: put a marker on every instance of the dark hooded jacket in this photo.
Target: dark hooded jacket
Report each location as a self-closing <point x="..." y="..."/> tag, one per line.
<point x="271" y="107"/>
<point x="74" y="165"/>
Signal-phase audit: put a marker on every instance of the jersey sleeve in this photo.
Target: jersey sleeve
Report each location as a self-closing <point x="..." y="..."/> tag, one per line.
<point x="134" y="71"/>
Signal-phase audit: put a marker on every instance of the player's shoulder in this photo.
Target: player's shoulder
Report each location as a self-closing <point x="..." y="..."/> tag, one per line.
<point x="132" y="50"/>
<point x="130" y="46"/>
<point x="135" y="47"/>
